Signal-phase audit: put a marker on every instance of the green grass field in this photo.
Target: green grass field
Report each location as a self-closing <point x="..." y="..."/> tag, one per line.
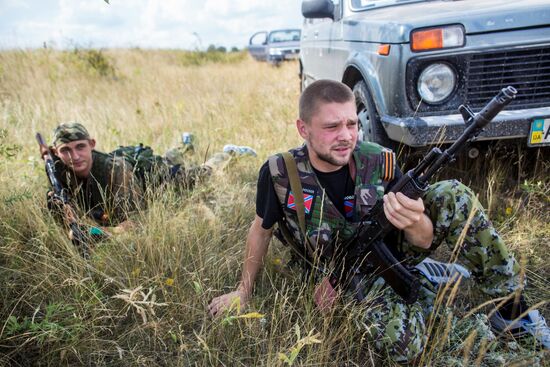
<point x="141" y="299"/>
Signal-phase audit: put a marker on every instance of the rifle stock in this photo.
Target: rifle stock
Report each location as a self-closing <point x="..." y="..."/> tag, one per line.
<point x="61" y="195"/>
<point x="367" y="244"/>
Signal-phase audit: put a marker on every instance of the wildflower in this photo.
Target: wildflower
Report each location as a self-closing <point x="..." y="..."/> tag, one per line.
<point x="508" y="211"/>
<point x="169" y="282"/>
<point x="251" y="315"/>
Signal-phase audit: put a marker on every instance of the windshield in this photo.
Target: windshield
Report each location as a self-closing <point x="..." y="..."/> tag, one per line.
<point x="286" y="35"/>
<point x="368" y="4"/>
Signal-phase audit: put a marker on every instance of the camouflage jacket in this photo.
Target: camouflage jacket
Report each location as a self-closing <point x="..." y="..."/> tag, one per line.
<point x="109" y="193"/>
<point x="372" y="168"/>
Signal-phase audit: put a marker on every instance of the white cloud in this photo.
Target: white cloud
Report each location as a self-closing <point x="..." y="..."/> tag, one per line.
<point x="144" y="23"/>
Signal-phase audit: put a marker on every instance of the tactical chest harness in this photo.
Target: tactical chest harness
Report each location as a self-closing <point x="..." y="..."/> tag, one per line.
<point x="376" y="167"/>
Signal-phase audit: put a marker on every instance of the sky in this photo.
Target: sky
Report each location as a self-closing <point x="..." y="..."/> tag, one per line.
<point x="184" y="24"/>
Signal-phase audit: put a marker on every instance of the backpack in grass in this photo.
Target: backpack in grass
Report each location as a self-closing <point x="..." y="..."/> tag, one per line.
<point x="142" y="158"/>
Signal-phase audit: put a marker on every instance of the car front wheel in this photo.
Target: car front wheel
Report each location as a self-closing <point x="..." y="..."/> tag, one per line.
<point x="370" y="127"/>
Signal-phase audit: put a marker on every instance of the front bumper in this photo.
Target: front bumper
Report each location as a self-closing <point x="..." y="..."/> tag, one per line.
<point x="422" y="131"/>
<point x="284" y="54"/>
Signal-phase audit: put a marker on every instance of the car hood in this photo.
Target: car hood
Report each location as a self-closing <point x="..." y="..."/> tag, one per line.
<point x="477" y="16"/>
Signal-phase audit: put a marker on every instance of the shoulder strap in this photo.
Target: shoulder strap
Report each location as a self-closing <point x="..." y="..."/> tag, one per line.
<point x="296" y="187"/>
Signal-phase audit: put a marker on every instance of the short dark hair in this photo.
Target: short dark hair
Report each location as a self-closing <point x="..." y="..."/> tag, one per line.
<point x="322" y="91"/>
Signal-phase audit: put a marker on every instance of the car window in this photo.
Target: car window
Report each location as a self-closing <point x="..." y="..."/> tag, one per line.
<point x="284" y="36"/>
<point x="259" y="38"/>
<point x="359" y="5"/>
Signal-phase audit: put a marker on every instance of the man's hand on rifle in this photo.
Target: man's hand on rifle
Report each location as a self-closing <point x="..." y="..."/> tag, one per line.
<point x="408" y="215"/>
<point x="44" y="150"/>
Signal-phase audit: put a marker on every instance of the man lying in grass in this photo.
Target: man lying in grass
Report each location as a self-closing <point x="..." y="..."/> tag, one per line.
<point x="108" y="188"/>
<point x="341" y="180"/>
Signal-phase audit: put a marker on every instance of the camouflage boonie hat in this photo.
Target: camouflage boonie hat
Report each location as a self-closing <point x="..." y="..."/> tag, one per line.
<point x="71" y="131"/>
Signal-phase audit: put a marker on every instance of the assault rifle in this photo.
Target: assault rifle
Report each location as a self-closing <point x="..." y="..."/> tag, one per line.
<point x="61" y="196"/>
<point x="367" y="243"/>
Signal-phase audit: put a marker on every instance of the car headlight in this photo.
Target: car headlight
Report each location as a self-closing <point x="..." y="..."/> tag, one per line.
<point x="436" y="83"/>
<point x="275" y="52"/>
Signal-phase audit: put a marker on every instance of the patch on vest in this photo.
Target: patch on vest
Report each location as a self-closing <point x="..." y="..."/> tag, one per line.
<point x="368" y="196"/>
<point x="389" y="167"/>
<point x="309" y="198"/>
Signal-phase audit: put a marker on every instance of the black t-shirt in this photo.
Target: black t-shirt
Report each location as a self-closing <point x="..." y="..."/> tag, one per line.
<point x="267" y="203"/>
<point x="338" y="182"/>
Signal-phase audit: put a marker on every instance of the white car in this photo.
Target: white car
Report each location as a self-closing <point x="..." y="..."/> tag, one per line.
<point x="275" y="46"/>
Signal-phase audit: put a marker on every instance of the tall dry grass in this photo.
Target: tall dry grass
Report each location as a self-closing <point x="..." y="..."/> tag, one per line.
<point x="141" y="298"/>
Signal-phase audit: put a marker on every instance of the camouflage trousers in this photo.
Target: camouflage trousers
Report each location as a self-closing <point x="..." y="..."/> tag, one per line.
<point x="461" y="224"/>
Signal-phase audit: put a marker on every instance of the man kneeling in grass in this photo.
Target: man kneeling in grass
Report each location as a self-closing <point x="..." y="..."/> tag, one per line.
<point x="108" y="188"/>
<point x="341" y="181"/>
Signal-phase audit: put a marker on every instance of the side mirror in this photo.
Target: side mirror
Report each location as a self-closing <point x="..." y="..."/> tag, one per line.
<point x="318" y="9"/>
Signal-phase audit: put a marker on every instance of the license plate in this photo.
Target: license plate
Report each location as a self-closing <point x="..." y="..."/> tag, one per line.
<point x="540" y="132"/>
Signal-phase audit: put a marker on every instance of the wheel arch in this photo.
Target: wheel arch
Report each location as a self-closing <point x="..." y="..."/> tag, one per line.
<point x="357" y="70"/>
<point x="353" y="75"/>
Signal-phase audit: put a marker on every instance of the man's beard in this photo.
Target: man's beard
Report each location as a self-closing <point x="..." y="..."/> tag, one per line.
<point x="326" y="157"/>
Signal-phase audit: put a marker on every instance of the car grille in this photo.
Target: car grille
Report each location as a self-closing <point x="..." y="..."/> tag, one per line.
<point x="527" y="70"/>
<point x="291" y="51"/>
